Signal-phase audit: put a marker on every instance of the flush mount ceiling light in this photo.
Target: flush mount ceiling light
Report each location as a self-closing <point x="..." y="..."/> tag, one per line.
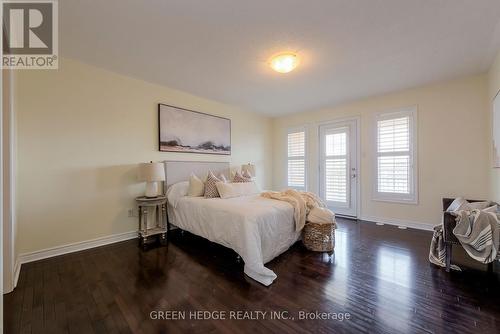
<point x="284" y="62"/>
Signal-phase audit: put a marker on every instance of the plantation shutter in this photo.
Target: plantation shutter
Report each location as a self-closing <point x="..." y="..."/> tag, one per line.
<point x="395" y="156"/>
<point x="296" y="159"/>
<point x="336" y="167"/>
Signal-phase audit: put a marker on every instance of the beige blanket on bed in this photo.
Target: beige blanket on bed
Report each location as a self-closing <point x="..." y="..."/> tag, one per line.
<point x="304" y="203"/>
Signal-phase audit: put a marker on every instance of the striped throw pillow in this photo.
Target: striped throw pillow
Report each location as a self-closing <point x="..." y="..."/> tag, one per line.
<point x="210" y="186"/>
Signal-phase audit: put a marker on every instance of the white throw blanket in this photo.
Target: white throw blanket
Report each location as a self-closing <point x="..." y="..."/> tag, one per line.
<point x="307" y="206"/>
<point x="257" y="228"/>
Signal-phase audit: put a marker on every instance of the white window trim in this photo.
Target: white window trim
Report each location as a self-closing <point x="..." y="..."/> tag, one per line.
<point x="306" y="160"/>
<point x="412" y="198"/>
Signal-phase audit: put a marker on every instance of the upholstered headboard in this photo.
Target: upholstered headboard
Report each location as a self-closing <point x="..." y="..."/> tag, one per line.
<point x="178" y="171"/>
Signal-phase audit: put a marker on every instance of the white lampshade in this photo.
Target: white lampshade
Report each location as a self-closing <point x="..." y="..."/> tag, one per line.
<point x="249" y="168"/>
<point x="151" y="172"/>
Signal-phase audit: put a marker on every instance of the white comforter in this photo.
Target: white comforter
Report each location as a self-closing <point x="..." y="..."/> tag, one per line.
<point x="257" y="228"/>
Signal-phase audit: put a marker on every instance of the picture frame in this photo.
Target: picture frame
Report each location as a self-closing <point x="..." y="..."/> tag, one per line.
<point x="182" y="130"/>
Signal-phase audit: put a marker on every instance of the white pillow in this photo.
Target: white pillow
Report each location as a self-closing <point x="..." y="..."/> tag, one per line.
<point x="462" y="204"/>
<point x="196" y="186"/>
<point x="458" y="204"/>
<point x="176" y="191"/>
<point x="492" y="208"/>
<point x="479" y="205"/>
<point x="229" y="190"/>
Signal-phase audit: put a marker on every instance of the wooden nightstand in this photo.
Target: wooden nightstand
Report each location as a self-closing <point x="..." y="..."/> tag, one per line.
<point x="158" y="205"/>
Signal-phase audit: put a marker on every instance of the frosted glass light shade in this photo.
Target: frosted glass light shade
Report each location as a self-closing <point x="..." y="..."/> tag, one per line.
<point x="284" y="62"/>
<point x="249" y="168"/>
<point x="151" y="172"/>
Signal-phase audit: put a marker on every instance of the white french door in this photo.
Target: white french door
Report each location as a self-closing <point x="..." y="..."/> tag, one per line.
<point x="338" y="166"/>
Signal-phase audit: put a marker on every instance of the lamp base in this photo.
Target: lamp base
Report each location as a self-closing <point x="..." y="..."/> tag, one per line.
<point x="151" y="189"/>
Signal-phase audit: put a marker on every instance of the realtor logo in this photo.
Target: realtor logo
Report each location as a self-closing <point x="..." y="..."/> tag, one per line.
<point x="29" y="34"/>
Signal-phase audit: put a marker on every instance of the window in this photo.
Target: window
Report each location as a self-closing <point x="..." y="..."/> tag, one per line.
<point x="396" y="176"/>
<point x="297" y="159"/>
<point x="336" y="166"/>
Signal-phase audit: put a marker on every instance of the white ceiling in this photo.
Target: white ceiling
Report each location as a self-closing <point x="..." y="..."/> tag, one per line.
<point x="218" y="49"/>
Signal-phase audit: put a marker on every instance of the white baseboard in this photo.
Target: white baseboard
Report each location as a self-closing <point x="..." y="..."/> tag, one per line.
<point x="400" y="222"/>
<point x="17" y="270"/>
<point x="70" y="248"/>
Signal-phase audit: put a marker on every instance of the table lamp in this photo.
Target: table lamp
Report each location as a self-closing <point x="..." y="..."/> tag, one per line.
<point x="249" y="168"/>
<point x="151" y="173"/>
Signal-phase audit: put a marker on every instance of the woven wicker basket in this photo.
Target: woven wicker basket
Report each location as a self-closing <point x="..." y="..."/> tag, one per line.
<point x="319" y="237"/>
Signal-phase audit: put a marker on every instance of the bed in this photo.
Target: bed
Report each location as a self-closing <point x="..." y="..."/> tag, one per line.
<point x="256" y="228"/>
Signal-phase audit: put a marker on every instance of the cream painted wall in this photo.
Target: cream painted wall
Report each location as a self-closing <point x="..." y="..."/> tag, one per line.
<point x="81" y="132"/>
<point x="453" y="146"/>
<point x="494" y="88"/>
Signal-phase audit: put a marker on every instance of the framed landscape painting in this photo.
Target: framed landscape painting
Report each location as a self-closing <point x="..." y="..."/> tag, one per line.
<point x="187" y="131"/>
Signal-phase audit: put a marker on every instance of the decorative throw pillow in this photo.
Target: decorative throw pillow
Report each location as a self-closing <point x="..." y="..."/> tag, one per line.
<point x="458" y="204"/>
<point x="222" y="178"/>
<point x="462" y="204"/>
<point x="479" y="205"/>
<point x="492" y="209"/>
<point x="210" y="186"/>
<point x="196" y="186"/>
<point x="240" y="178"/>
<point x="246" y="174"/>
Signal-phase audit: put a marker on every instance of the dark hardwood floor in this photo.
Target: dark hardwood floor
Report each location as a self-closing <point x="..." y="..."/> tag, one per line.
<point x="379" y="276"/>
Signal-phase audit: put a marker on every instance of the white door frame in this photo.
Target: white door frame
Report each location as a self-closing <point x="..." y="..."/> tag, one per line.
<point x="357" y="121"/>
<point x="1" y="203"/>
<point x="8" y="179"/>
